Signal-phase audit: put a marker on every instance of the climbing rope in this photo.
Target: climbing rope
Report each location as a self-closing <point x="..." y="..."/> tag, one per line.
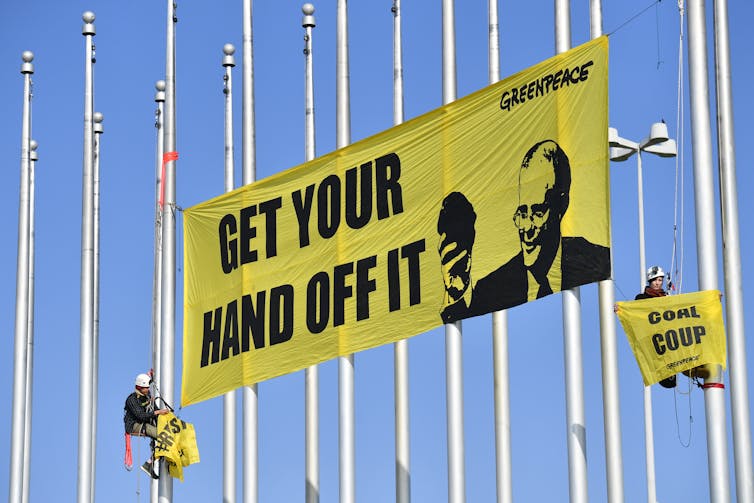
<point x="678" y="212"/>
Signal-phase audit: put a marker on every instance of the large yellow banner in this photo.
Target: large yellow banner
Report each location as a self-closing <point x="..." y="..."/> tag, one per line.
<point x="675" y="333"/>
<point x="496" y="199"/>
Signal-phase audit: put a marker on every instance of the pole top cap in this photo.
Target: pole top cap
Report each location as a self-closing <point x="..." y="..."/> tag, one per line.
<point x="27" y="66"/>
<point x="308" y="10"/>
<point x="88" y="18"/>
<point x="228" y="59"/>
<point x="160" y="94"/>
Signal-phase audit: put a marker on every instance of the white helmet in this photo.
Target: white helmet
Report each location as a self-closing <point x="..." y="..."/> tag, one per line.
<point x="142" y="380"/>
<point x="654" y="272"/>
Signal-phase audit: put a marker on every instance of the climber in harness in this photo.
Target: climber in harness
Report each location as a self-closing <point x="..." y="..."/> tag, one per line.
<point x="140" y="416"/>
<point x="655" y="277"/>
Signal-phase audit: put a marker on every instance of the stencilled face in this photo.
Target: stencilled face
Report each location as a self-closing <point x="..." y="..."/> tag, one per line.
<point x="535" y="219"/>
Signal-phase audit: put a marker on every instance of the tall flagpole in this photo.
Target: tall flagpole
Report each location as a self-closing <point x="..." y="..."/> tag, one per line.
<point x="739" y="386"/>
<point x="714" y="391"/>
<point x="170" y="158"/>
<point x="500" y="358"/>
<point x="86" y="371"/>
<point x="311" y="374"/>
<point x="229" y="399"/>
<point x="400" y="348"/>
<point x="575" y="418"/>
<point x="98" y="130"/>
<point x="250" y="393"/>
<point x="159" y="98"/>
<point x="345" y="363"/>
<point x="453" y="346"/>
<point x="15" y="486"/>
<point x="609" y="350"/>
<point x="30" y="333"/>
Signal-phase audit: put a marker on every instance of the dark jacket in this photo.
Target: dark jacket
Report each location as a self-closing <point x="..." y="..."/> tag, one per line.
<point x="646" y="294"/>
<point x="138" y="409"/>
<point x="582" y="262"/>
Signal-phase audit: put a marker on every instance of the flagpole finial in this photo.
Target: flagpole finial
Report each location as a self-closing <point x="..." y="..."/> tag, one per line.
<point x="27" y="57"/>
<point x="98" y="118"/>
<point x="160" y="94"/>
<point x="308" y="10"/>
<point x="88" y="28"/>
<point x="228" y="59"/>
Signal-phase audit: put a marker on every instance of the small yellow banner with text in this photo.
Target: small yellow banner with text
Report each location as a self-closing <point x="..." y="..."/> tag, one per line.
<point x="674" y="333"/>
<point x="176" y="444"/>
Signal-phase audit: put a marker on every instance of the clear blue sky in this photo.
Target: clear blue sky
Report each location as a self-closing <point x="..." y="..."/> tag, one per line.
<point x="130" y="49"/>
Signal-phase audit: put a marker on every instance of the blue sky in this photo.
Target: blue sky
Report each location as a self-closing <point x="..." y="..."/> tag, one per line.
<point x="130" y="49"/>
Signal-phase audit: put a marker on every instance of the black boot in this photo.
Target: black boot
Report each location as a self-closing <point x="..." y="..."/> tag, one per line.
<point x="668" y="382"/>
<point x="149" y="469"/>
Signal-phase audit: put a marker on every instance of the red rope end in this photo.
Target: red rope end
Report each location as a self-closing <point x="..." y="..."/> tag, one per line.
<point x="166" y="157"/>
<point x="128" y="460"/>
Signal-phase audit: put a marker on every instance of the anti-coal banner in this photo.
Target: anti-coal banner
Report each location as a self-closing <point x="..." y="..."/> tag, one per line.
<point x="675" y="333"/>
<point x="491" y="201"/>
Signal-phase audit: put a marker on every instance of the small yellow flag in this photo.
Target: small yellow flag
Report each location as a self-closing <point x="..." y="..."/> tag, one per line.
<point x="675" y="333"/>
<point x="176" y="444"/>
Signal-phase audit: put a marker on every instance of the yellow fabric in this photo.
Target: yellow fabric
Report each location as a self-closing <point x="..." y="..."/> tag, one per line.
<point x="289" y="272"/>
<point x="176" y="444"/>
<point x="675" y="333"/>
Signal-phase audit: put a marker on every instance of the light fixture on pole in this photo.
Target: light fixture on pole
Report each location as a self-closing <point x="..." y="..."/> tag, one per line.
<point x="622" y="149"/>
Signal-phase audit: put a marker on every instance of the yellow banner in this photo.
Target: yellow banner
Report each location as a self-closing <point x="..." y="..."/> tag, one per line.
<point x="494" y="200"/>
<point x="176" y="444"/>
<point x="675" y="333"/>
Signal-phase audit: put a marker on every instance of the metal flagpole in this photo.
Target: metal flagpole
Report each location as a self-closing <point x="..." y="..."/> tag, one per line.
<point x="86" y="371"/>
<point x="453" y="346"/>
<point x="345" y="363"/>
<point x="30" y="331"/>
<point x="400" y="348"/>
<point x="98" y="130"/>
<point x="739" y="386"/>
<point x="575" y="420"/>
<point x="250" y="393"/>
<point x="159" y="98"/>
<point x="609" y="350"/>
<point x="714" y="394"/>
<point x="15" y="485"/>
<point x="229" y="399"/>
<point x="649" y="443"/>
<point x="311" y="374"/>
<point x="500" y="358"/>
<point x="170" y="158"/>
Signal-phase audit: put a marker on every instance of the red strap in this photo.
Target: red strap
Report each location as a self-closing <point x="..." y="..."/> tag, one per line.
<point x="713" y="385"/>
<point x="166" y="157"/>
<point x="128" y="460"/>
